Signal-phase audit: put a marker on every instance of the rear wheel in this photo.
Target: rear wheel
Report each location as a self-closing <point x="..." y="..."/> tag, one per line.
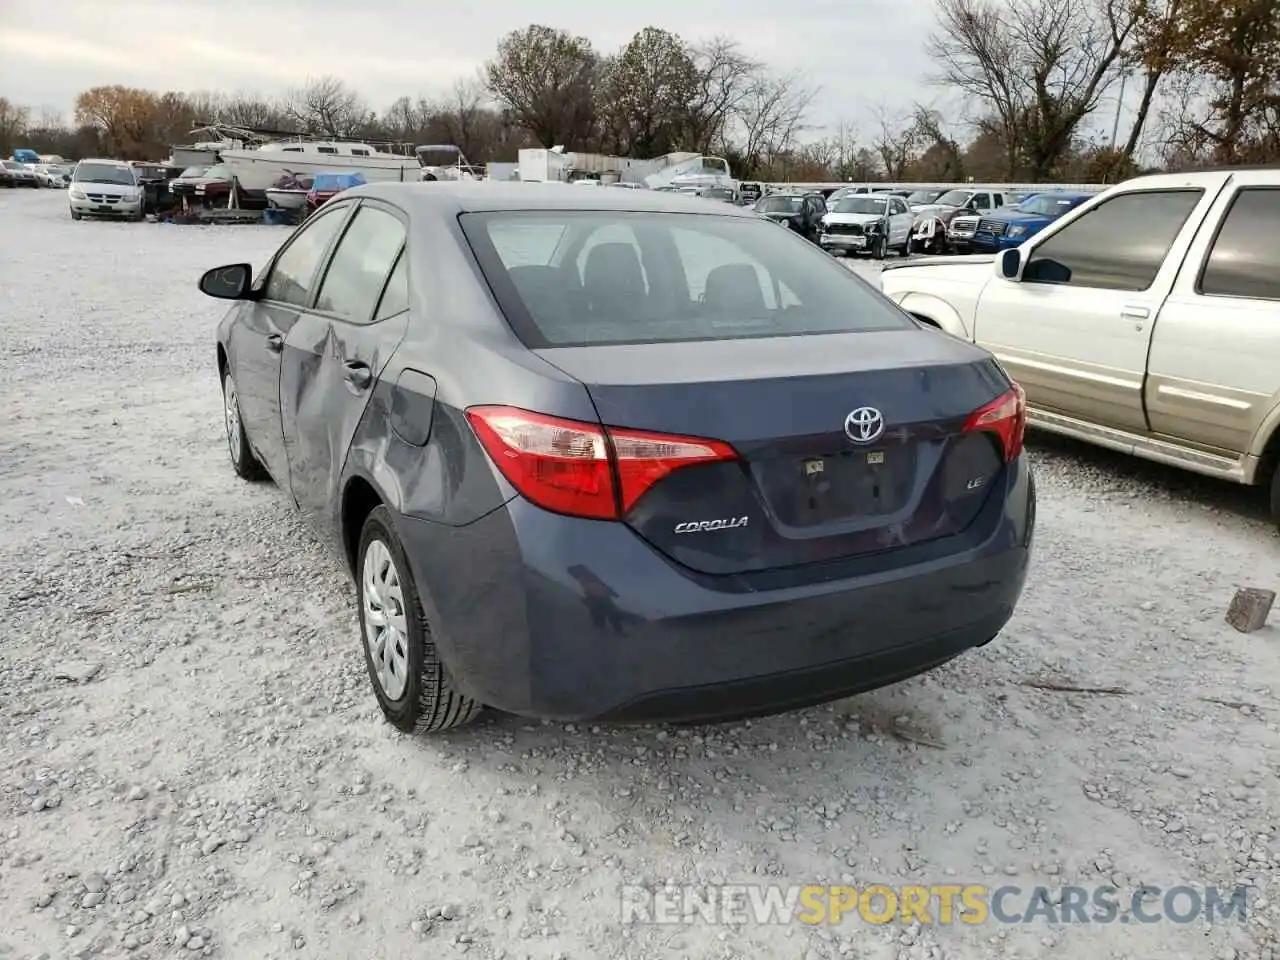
<point x="413" y="689"/>
<point x="1275" y="495"/>
<point x="906" y="246"/>
<point x="243" y="461"/>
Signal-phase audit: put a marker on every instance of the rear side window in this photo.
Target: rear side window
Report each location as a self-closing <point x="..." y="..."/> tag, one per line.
<point x="606" y="277"/>
<point x="361" y="264"/>
<point x="395" y="298"/>
<point x="1118" y="245"/>
<point x="1244" y="261"/>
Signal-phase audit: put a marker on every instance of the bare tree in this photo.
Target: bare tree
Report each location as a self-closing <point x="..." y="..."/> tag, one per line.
<point x="724" y="76"/>
<point x="328" y="107"/>
<point x="896" y="141"/>
<point x="772" y="114"/>
<point x="1033" y="69"/>
<point x="941" y="153"/>
<point x="1153" y="53"/>
<point x="14" y="122"/>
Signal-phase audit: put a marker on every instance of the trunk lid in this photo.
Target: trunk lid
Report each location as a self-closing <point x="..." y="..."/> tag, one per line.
<point x="803" y="491"/>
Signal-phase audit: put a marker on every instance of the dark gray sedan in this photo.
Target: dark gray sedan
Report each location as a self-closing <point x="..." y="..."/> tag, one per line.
<point x="620" y="455"/>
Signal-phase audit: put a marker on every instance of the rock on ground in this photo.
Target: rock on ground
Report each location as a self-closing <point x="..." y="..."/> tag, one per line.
<point x="212" y="778"/>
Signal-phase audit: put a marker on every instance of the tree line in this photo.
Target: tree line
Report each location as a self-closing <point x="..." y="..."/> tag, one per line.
<point x="1028" y="90"/>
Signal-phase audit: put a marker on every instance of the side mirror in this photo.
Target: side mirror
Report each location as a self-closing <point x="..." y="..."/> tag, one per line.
<point x="1010" y="263"/>
<point x="227" y="283"/>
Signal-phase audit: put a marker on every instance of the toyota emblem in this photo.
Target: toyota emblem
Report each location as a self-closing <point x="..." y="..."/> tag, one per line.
<point x="864" y="425"/>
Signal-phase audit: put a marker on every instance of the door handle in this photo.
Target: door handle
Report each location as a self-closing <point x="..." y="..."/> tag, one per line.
<point x="358" y="374"/>
<point x="275" y="343"/>
<point x="1135" y="313"/>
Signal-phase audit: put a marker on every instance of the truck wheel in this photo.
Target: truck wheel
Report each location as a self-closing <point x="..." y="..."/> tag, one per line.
<point x="1275" y="496"/>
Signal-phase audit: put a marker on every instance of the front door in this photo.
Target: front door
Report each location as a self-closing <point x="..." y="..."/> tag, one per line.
<point x="900" y="221"/>
<point x="336" y="351"/>
<point x="257" y="337"/>
<point x="1074" y="329"/>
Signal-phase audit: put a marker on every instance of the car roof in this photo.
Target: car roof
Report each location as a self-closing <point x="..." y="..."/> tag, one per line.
<point x="106" y="162"/>
<point x="450" y="198"/>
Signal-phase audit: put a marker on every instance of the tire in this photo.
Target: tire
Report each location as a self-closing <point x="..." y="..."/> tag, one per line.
<point x="881" y="247"/>
<point x="1275" y="496"/>
<point x="76" y="216"/>
<point x="906" y="246"/>
<point x="243" y="461"/>
<point x="412" y="687"/>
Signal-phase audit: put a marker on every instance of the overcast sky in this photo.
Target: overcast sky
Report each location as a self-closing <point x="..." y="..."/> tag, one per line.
<point x="861" y="54"/>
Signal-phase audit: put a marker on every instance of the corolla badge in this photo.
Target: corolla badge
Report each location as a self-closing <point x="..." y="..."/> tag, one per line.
<point x="864" y="425"/>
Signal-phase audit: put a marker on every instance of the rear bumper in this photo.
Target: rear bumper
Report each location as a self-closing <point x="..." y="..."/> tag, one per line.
<point x="553" y="617"/>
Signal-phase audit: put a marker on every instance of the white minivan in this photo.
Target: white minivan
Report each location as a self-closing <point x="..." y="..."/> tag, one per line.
<point x="105" y="188"/>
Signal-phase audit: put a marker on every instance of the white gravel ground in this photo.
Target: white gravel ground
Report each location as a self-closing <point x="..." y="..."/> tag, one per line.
<point x="213" y="778"/>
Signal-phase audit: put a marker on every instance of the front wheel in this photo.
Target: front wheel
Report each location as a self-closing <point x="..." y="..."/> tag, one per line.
<point x="243" y="461"/>
<point x="880" y="247"/>
<point x="413" y="689"/>
<point x="75" y="216"/>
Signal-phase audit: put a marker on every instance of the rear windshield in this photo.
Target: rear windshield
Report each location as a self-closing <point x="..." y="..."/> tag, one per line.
<point x="604" y="277"/>
<point x="780" y="204"/>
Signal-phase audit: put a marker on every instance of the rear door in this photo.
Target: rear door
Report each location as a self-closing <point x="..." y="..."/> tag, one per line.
<point x="1075" y="328"/>
<point x="336" y="350"/>
<point x="256" y="341"/>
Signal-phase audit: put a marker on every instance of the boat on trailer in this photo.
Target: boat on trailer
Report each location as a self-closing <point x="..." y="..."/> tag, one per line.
<point x="260" y="167"/>
<point x="454" y="167"/>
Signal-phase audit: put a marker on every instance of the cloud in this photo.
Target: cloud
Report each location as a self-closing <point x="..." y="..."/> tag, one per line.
<point x="861" y="55"/>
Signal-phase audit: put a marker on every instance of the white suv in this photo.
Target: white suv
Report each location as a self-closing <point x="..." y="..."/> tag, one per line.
<point x="105" y="188"/>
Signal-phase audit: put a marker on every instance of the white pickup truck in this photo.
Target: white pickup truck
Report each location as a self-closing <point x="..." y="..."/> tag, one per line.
<point x="1147" y="320"/>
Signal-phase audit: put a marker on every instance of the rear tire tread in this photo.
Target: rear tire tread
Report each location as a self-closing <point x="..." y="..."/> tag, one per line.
<point x="436" y="705"/>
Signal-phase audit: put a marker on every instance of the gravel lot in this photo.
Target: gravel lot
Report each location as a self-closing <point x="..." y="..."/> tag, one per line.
<point x="192" y="761"/>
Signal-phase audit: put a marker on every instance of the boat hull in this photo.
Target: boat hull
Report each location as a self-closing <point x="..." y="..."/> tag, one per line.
<point x="258" y="171"/>
<point x="288" y="199"/>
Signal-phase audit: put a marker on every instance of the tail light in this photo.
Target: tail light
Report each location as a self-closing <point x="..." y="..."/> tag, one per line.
<point x="1006" y="417"/>
<point x="584" y="469"/>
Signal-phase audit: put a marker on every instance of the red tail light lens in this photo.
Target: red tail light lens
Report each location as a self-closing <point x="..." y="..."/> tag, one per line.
<point x="584" y="469"/>
<point x="1006" y="417"/>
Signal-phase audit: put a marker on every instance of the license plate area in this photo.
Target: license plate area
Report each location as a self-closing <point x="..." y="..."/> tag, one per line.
<point x="105" y="208"/>
<point x="850" y="484"/>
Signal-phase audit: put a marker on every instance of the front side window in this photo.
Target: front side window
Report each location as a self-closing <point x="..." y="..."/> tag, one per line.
<point x="293" y="275"/>
<point x="614" y="277"/>
<point x="1243" y="261"/>
<point x="360" y="265"/>
<point x="1118" y="245"/>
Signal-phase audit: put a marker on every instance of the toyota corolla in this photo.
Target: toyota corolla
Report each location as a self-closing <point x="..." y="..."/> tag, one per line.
<point x="612" y="454"/>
